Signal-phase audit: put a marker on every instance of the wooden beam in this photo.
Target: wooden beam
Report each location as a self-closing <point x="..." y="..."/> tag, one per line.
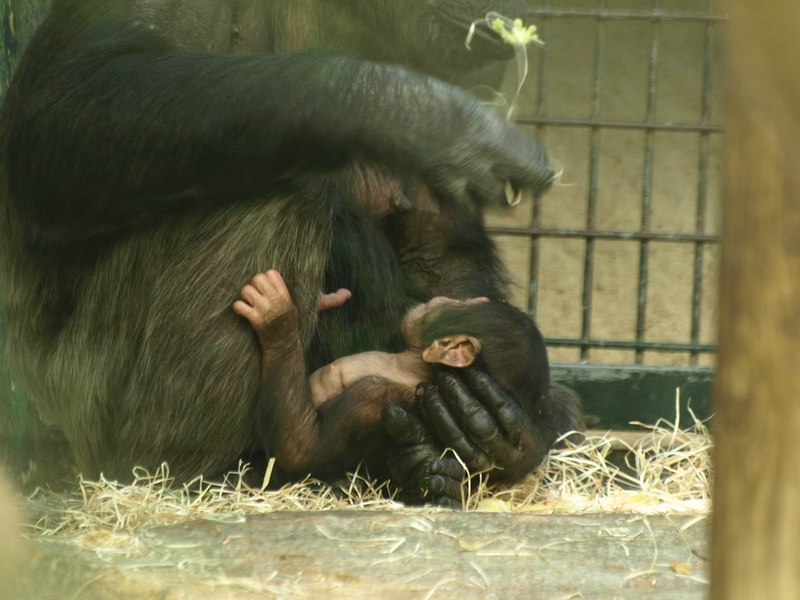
<point x="755" y="544"/>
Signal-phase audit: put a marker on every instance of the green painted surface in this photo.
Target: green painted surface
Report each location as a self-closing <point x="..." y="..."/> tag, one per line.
<point x="615" y="395"/>
<point x="16" y="423"/>
<point x="19" y="21"/>
<point x="20" y="18"/>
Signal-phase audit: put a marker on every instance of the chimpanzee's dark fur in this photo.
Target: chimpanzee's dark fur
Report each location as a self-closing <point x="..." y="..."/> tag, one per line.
<point x="156" y="155"/>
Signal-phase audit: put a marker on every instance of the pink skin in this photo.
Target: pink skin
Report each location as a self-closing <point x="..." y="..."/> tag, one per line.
<point x="410" y="326"/>
<point x="302" y="432"/>
<point x="267" y="304"/>
<point x="267" y="298"/>
<point x="334" y="299"/>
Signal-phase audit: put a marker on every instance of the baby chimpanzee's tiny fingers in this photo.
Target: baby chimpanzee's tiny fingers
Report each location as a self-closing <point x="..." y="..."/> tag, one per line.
<point x="267" y="305"/>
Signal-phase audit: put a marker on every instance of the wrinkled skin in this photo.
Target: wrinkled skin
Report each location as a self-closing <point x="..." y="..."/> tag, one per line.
<point x="158" y="154"/>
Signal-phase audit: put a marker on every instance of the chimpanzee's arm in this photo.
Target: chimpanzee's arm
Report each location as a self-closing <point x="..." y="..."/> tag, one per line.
<point x="468" y="411"/>
<point x="304" y="437"/>
<point x="107" y="123"/>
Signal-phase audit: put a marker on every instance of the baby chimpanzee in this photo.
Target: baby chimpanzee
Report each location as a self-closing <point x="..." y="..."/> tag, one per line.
<point x="496" y="337"/>
<point x="410" y="367"/>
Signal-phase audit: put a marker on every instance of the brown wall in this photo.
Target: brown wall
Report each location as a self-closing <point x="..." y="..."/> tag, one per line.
<point x="571" y="45"/>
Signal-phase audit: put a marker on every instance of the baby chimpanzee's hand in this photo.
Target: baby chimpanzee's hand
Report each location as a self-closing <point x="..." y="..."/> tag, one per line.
<point x="267" y="304"/>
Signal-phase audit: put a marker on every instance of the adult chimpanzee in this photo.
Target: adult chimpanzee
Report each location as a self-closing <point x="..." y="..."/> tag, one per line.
<point x="157" y="154"/>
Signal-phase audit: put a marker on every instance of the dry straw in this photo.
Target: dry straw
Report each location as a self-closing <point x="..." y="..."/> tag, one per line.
<point x="667" y="470"/>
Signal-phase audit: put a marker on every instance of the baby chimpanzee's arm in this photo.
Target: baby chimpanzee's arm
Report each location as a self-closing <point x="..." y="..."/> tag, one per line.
<point x="300" y="433"/>
<point x="405" y="368"/>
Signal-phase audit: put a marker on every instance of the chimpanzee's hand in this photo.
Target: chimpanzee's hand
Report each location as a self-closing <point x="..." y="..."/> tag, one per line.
<point x="415" y="461"/>
<point x="463" y="150"/>
<point x="267" y="304"/>
<point x="467" y="411"/>
<point x="480" y="152"/>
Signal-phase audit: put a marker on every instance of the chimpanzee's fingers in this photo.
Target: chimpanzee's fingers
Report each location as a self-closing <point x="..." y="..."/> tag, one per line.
<point x="451" y="431"/>
<point x="506" y="410"/>
<point x="476" y="419"/>
<point x="438" y="481"/>
<point x="264" y="286"/>
<point x="403" y="426"/>
<point x="243" y="309"/>
<point x="251" y="295"/>
<point x="415" y="464"/>
<point x="448" y="502"/>
<point x="276" y="279"/>
<point x="443" y="476"/>
<point x="448" y="468"/>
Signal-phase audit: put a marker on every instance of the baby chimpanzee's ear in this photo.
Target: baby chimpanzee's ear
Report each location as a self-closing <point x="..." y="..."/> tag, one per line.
<point x="454" y="351"/>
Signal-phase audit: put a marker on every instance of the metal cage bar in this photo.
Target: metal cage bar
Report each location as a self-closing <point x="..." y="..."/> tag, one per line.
<point x="612" y="124"/>
<point x="702" y="187"/>
<point x="650" y="126"/>
<point x="536" y="218"/>
<point x="628" y="345"/>
<point x="591" y="203"/>
<point x="646" y="15"/>
<point x="607" y="235"/>
<point x="647" y="187"/>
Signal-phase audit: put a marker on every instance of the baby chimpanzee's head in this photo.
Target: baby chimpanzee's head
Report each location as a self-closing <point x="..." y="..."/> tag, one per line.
<point x="495" y="336"/>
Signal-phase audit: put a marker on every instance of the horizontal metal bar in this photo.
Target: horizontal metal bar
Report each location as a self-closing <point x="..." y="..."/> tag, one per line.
<point x="623" y="345"/>
<point x="611" y="124"/>
<point x="645" y="15"/>
<point x="601" y="371"/>
<point x="608" y="235"/>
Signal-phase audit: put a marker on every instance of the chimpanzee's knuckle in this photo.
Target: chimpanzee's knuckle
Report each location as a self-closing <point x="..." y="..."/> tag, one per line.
<point x="403" y="427"/>
<point x="479" y="462"/>
<point x="483" y="429"/>
<point x="439" y="487"/>
<point x="455" y="392"/>
<point x="516" y="422"/>
<point x="447" y="467"/>
<point x="447" y="502"/>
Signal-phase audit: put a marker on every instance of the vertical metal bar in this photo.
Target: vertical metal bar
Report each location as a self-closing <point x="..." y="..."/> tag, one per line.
<point x="591" y="204"/>
<point x="536" y="219"/>
<point x="702" y="187"/>
<point x="647" y="185"/>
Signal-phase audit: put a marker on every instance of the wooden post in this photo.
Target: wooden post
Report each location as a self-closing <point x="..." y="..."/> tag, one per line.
<point x="756" y="523"/>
